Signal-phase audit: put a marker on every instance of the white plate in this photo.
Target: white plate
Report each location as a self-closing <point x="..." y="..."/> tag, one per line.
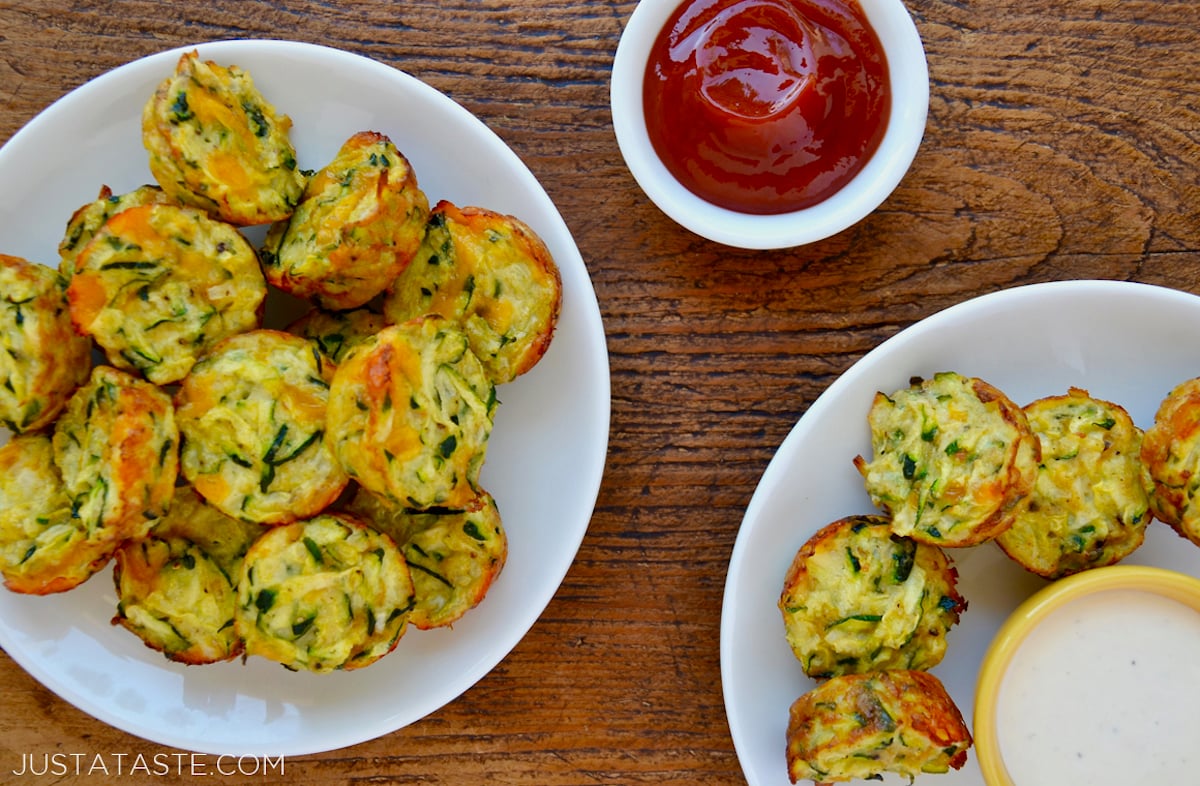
<point x="545" y="458"/>
<point x="1127" y="343"/>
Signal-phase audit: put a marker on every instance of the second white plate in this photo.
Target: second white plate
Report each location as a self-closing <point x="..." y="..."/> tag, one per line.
<point x="1127" y="343"/>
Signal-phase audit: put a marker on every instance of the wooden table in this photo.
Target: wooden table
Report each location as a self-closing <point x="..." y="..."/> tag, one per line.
<point x="1062" y="142"/>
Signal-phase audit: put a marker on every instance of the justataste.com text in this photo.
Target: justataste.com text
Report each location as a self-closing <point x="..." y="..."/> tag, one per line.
<point x="60" y="764"/>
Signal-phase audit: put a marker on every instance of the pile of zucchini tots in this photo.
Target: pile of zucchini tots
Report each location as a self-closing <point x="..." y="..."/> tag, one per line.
<point x="1064" y="484"/>
<point x="303" y="493"/>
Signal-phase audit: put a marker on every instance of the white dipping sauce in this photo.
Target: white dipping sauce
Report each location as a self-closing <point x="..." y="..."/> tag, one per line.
<point x="1105" y="691"/>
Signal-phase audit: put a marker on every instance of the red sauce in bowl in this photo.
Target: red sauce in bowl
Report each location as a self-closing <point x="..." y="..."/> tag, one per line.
<point x="766" y="106"/>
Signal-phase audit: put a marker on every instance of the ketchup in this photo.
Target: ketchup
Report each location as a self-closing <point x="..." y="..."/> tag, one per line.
<point x="766" y="106"/>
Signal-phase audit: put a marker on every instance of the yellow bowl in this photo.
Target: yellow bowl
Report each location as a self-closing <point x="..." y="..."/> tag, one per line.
<point x="1159" y="583"/>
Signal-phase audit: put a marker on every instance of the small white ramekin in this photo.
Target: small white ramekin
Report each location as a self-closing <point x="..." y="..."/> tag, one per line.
<point x="909" y="78"/>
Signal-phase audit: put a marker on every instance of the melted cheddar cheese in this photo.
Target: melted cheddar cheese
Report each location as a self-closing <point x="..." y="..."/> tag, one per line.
<point x="357" y="227"/>
<point x="410" y="413"/>
<point x="323" y="594"/>
<point x="42" y="359"/>
<point x="253" y="417"/>
<point x="491" y="274"/>
<point x="159" y="285"/>
<point x="215" y="143"/>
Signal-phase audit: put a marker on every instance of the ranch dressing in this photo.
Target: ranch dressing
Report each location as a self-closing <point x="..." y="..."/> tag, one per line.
<point x="1105" y="691"/>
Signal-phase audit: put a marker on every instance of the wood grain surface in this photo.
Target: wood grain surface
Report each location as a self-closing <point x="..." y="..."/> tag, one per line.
<point x="1062" y="142"/>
